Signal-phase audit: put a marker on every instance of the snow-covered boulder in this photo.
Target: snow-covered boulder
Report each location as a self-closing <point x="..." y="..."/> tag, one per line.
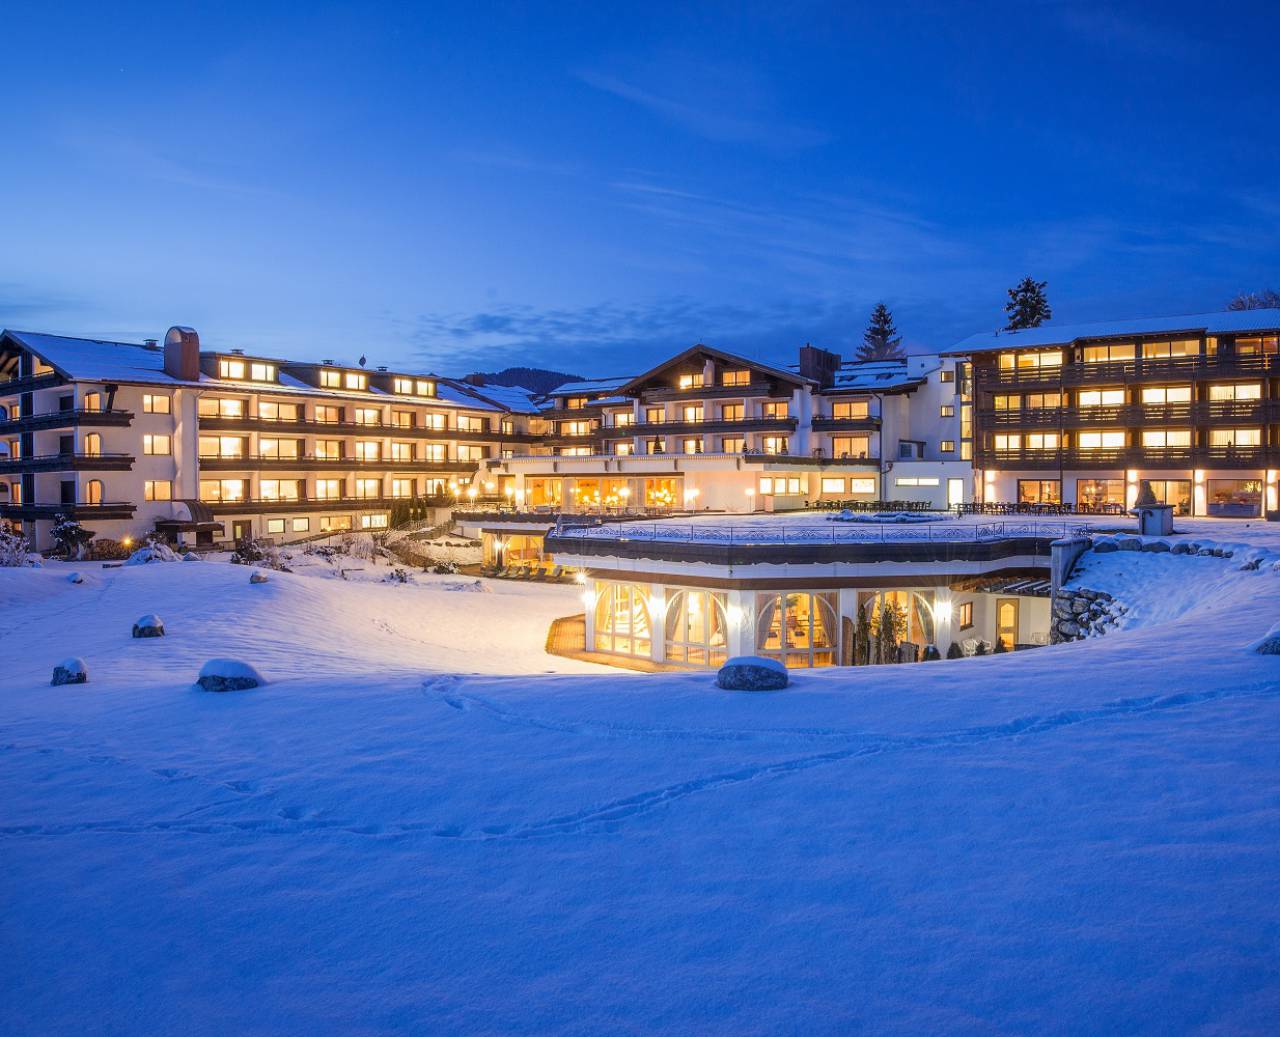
<point x="258" y="576"/>
<point x="152" y="553"/>
<point x="1104" y="547"/>
<point x="1156" y="547"/>
<point x="149" y="625"/>
<point x="1182" y="549"/>
<point x="1128" y="543"/>
<point x="228" y="675"/>
<point x="752" y="673"/>
<point x="1269" y="645"/>
<point x="191" y="556"/>
<point x="75" y="578"/>
<point x="70" y="671"/>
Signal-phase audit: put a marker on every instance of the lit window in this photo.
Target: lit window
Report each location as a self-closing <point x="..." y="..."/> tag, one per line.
<point x="1101" y="398"/>
<point x="774" y="409"/>
<point x="373" y="521"/>
<point x="1235" y="437"/>
<point x="470" y="423"/>
<point x="275" y="525"/>
<point x="776" y="444"/>
<point x="471" y="452"/>
<point x="366" y="488"/>
<point x="328" y="449"/>
<point x="742" y="377"/>
<point x="1186" y="347"/>
<point x="402" y="487"/>
<point x="330" y="379"/>
<point x="862" y="485"/>
<point x="233" y="369"/>
<point x="260" y="372"/>
<point x="1166" y="437"/>
<point x="403" y="386"/>
<point x="947" y="410"/>
<point x="269" y="410"/>
<point x="964" y="615"/>
<point x="691" y="381"/>
<point x="426" y="388"/>
<point x="850" y="410"/>
<point x="1030" y="361"/>
<point x="1010" y="441"/>
<point x="733" y="444"/>
<point x="368" y="416"/>
<point x="301" y="525"/>
<point x="328" y="415"/>
<point x="1108" y="354"/>
<point x="216" y="407"/>
<point x="157" y="489"/>
<point x="155" y="403"/>
<point x="328" y="489"/>
<point x="220" y="446"/>
<point x="368" y="450"/>
<point x="947" y="376"/>
<point x="402" y="451"/>
<point x="1159" y="395"/>
<point x="355" y="380"/>
<point x="948" y="446"/>
<point x="1219" y="393"/>
<point x="917" y="480"/>
<point x="830" y="485"/>
<point x="1110" y="440"/>
<point x="156" y="445"/>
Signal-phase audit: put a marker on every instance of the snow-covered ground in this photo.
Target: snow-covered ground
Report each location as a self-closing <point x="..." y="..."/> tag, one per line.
<point x="410" y="830"/>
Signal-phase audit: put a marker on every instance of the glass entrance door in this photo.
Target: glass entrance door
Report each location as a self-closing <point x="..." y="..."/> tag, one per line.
<point x="1007" y="621"/>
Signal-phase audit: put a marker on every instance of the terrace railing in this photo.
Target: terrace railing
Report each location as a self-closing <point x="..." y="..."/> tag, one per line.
<point x="825" y="533"/>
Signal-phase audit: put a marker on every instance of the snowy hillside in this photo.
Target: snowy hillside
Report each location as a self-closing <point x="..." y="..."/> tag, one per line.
<point x="412" y="829"/>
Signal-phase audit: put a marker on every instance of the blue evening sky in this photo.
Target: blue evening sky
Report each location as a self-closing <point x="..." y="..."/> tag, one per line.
<point x="590" y="186"/>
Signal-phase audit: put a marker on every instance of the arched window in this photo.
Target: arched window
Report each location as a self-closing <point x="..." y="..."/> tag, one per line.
<point x="93" y="444"/>
<point x="622" y="619"/>
<point x="697" y="629"/>
<point x="93" y="491"/>
<point x="797" y="629"/>
<point x="914" y="614"/>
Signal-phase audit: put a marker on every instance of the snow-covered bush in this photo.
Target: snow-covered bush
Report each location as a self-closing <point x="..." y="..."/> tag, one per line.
<point x="69" y="537"/>
<point x="362" y="546"/>
<point x="955" y="651"/>
<point x="153" y="552"/>
<point x="445" y="568"/>
<point x="398" y="575"/>
<point x="104" y="549"/>
<point x="13" y="548"/>
<point x="261" y="553"/>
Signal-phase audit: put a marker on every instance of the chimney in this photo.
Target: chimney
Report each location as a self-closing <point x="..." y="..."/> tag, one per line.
<point x="819" y="364"/>
<point x="150" y="343"/>
<point x="182" y="354"/>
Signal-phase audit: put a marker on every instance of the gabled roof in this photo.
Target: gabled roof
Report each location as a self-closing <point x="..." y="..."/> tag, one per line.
<point x="1225" y="322"/>
<point x="591" y="386"/>
<point x="718" y="354"/>
<point x="94" y="359"/>
<point x="504" y="397"/>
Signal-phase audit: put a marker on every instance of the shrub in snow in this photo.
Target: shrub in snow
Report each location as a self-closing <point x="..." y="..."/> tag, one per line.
<point x="104" y="549"/>
<point x="259" y="552"/>
<point x="398" y="575"/>
<point x="752" y="673"/>
<point x="69" y="537"/>
<point x="75" y="578"/>
<point x="1001" y="648"/>
<point x="445" y="568"/>
<point x="149" y="625"/>
<point x="13" y="548"/>
<point x="471" y="586"/>
<point x="931" y="653"/>
<point x="156" y="552"/>
<point x="981" y="648"/>
<point x="228" y="675"/>
<point x="955" y="651"/>
<point x="257" y="576"/>
<point x="70" y="671"/>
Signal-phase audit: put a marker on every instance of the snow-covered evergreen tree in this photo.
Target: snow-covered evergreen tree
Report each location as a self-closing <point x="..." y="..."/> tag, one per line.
<point x="881" y="340"/>
<point x="13" y="547"/>
<point x="1028" y="306"/>
<point x="69" y="537"/>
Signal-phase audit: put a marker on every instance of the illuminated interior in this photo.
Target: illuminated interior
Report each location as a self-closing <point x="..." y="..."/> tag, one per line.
<point x="799" y="630"/>
<point x="622" y="619"/>
<point x="697" y="628"/>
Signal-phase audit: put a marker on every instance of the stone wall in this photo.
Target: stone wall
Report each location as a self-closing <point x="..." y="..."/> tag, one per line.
<point x="1079" y="613"/>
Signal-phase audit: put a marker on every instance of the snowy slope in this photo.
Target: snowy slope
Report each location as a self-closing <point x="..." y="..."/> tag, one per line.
<point x="1079" y="839"/>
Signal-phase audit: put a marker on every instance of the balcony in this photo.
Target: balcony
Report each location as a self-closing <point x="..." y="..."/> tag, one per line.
<point x="1203" y="412"/>
<point x="311" y="463"/>
<point x="678" y="426"/>
<point x="1127" y="457"/>
<point x="307" y="504"/>
<point x="73" y="418"/>
<point x="86" y="512"/>
<point x="832" y="424"/>
<point x="1171" y="369"/>
<point x="76" y="462"/>
<point x="715" y="392"/>
<point x="47" y="380"/>
<point x="270" y="426"/>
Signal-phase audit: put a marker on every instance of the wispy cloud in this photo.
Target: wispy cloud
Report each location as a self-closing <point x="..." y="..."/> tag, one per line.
<point x="717" y="102"/>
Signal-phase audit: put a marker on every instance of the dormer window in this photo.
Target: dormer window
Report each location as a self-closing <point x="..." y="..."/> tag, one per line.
<point x="330" y="379"/>
<point x="742" y="377"/>
<point x="425" y="388"/>
<point x="691" y="381"/>
<point x="356" y="380"/>
<point x="237" y="370"/>
<point x="233" y="369"/>
<point x="403" y="386"/>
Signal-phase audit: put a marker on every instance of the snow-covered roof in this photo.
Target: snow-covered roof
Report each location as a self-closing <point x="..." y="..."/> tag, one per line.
<point x="506" y="397"/>
<point x="876" y="376"/>
<point x="1224" y="322"/>
<point x="95" y="359"/>
<point x="590" y="386"/>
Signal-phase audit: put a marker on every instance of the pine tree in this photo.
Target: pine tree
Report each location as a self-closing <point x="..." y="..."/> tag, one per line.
<point x="1028" y="307"/>
<point x="881" y="340"/>
<point x="70" y="537"/>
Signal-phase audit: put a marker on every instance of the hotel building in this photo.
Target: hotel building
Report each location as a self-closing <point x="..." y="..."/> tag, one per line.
<point x="214" y="445"/>
<point x="1085" y="413"/>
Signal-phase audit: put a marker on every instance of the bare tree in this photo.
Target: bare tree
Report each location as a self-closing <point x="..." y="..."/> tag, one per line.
<point x="1267" y="299"/>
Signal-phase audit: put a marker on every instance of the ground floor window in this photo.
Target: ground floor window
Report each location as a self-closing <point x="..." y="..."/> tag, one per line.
<point x="1039" y="491"/>
<point x="301" y="525"/>
<point x="797" y="629"/>
<point x="601" y="493"/>
<point x="622" y="619"/>
<point x="697" y="628"/>
<point x="275" y="525"/>
<point x="373" y="521"/>
<point x="513" y="549"/>
<point x="1095" y="494"/>
<point x="1235" y="498"/>
<point x="661" y="493"/>
<point x="544" y="493"/>
<point x="888" y="620"/>
<point x="329" y="523"/>
<point x="1173" y="491"/>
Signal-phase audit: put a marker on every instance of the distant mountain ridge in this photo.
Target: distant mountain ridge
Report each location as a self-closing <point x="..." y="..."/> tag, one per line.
<point x="535" y="379"/>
